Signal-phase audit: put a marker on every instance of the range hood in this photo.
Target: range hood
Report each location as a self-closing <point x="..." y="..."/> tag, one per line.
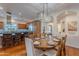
<point x="9" y="26"/>
<point x="9" y="17"/>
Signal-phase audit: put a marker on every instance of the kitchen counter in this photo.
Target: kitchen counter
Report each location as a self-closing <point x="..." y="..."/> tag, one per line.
<point x="10" y="39"/>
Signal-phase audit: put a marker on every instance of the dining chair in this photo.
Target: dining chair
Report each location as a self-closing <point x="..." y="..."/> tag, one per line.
<point x="62" y="49"/>
<point x="58" y="47"/>
<point x="30" y="50"/>
<point x="29" y="47"/>
<point x="63" y="42"/>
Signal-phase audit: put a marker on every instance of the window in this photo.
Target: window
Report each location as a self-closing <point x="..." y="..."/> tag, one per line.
<point x="31" y="27"/>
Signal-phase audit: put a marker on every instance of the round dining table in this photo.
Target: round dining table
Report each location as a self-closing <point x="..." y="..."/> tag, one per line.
<point x="45" y="46"/>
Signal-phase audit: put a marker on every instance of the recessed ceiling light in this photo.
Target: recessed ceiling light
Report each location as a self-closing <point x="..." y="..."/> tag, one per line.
<point x="1" y="8"/>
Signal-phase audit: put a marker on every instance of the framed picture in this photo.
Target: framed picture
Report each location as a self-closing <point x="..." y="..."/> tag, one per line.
<point x="72" y="26"/>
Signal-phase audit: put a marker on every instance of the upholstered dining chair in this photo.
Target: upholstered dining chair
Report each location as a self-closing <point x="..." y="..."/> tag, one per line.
<point x="30" y="50"/>
<point x="29" y="47"/>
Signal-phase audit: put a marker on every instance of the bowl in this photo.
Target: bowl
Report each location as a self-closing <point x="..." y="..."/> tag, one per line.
<point x="56" y="39"/>
<point x="51" y="43"/>
<point x="36" y="43"/>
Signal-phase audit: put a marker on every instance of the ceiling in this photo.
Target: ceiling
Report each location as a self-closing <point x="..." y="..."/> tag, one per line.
<point x="31" y="10"/>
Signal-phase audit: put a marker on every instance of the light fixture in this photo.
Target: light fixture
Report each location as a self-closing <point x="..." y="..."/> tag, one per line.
<point x="45" y="15"/>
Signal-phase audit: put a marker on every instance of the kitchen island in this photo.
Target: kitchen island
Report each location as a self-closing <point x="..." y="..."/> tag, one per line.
<point x="11" y="39"/>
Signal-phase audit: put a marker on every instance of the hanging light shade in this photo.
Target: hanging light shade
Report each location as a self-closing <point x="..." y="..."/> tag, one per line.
<point x="44" y="16"/>
<point x="8" y="17"/>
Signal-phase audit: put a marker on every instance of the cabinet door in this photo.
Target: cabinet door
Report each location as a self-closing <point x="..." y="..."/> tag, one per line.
<point x="37" y="26"/>
<point x="22" y="26"/>
<point x="1" y="25"/>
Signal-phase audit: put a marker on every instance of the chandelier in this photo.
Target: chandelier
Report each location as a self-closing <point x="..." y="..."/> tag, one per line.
<point x="45" y="17"/>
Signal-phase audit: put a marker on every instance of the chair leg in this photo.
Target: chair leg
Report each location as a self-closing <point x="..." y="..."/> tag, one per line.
<point x="63" y="51"/>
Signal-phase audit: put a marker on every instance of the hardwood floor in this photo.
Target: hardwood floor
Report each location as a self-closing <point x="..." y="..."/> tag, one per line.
<point x="71" y="51"/>
<point x="21" y="51"/>
<point x="14" y="51"/>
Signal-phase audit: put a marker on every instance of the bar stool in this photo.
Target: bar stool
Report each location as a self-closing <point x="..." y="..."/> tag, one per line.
<point x="18" y="39"/>
<point x="7" y="40"/>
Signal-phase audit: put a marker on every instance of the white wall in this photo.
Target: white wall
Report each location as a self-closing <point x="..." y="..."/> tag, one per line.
<point x="72" y="37"/>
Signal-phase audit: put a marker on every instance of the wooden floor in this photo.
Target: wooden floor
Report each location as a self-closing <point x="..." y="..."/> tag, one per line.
<point x="20" y="51"/>
<point x="71" y="51"/>
<point x="15" y="51"/>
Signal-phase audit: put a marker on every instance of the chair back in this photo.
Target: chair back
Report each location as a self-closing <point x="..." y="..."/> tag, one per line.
<point x="29" y="47"/>
<point x="7" y="40"/>
<point x="63" y="42"/>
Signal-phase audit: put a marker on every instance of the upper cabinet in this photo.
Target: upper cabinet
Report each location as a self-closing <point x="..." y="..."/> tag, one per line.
<point x="1" y="25"/>
<point x="22" y="26"/>
<point x="37" y="28"/>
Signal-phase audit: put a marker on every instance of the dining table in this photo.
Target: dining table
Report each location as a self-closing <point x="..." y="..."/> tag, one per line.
<point x="45" y="46"/>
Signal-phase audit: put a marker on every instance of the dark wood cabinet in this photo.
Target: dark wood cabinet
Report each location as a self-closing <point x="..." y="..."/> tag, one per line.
<point x="1" y="25"/>
<point x="37" y="29"/>
<point x="22" y="26"/>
